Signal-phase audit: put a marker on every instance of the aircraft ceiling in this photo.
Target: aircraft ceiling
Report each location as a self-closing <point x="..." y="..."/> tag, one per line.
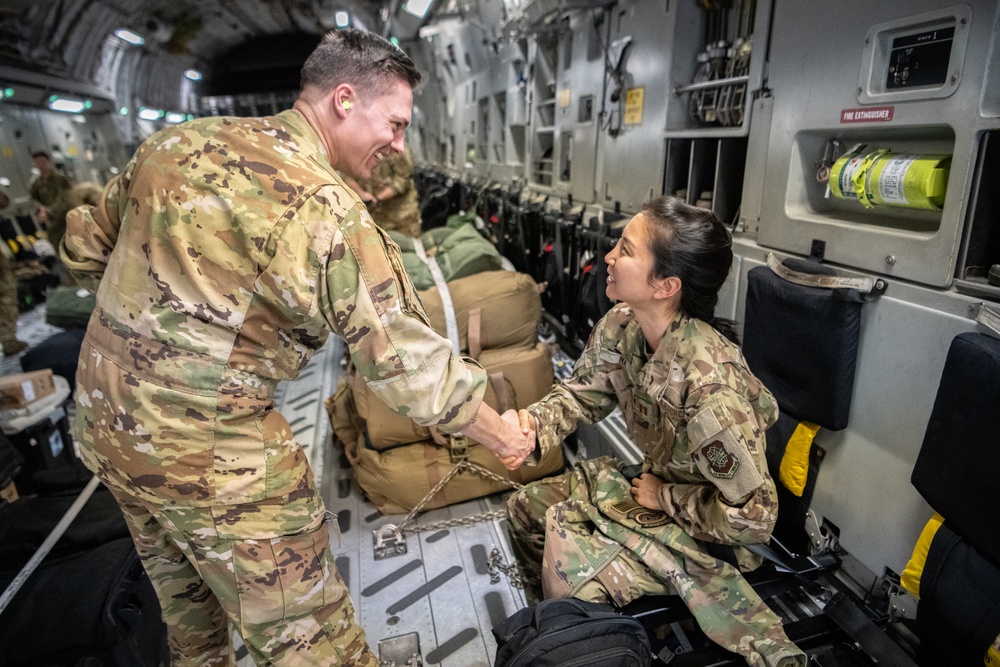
<point x="68" y="38"/>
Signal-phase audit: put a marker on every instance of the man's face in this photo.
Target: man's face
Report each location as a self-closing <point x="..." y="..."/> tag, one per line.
<point x="42" y="164"/>
<point x="374" y="129"/>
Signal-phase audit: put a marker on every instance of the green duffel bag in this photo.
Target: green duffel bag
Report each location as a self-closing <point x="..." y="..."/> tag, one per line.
<point x="69" y="307"/>
<point x="461" y="253"/>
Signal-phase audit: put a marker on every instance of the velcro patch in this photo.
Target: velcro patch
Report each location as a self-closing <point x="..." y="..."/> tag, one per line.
<point x="721" y="463"/>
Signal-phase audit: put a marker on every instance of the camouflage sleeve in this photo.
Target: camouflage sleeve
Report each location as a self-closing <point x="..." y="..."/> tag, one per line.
<point x="92" y="231"/>
<point x="587" y="395"/>
<point x="367" y="298"/>
<point x="737" y="503"/>
<point x="402" y="174"/>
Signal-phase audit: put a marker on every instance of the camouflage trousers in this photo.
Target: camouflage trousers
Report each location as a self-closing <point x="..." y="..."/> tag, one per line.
<point x="284" y="595"/>
<point x="8" y="301"/>
<point x="571" y="541"/>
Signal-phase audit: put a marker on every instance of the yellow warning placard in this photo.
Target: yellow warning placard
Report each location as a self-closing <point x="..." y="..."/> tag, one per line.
<point x="633" y="105"/>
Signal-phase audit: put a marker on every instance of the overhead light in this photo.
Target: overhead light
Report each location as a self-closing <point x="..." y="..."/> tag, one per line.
<point x="417" y="7"/>
<point x="343" y="18"/>
<point x="173" y="118"/>
<point x="123" y="111"/>
<point x="57" y="103"/>
<point x="8" y="92"/>
<point x="150" y="114"/>
<point x="193" y="74"/>
<point x="130" y="37"/>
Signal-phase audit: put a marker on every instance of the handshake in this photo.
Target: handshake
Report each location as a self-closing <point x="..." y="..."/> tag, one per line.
<point x="517" y="439"/>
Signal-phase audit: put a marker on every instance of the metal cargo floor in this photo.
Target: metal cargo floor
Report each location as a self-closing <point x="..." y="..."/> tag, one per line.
<point x="440" y="588"/>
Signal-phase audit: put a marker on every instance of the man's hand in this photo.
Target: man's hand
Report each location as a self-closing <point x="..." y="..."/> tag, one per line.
<point x="646" y="490"/>
<point x="518" y="442"/>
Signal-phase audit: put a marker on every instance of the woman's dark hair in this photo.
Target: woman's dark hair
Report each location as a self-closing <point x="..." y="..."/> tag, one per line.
<point x="367" y="61"/>
<point x="693" y="245"/>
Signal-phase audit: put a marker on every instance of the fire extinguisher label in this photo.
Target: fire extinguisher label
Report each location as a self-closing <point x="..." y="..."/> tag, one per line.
<point x="891" y="182"/>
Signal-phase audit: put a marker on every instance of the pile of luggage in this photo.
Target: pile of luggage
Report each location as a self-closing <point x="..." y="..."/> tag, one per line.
<point x="495" y="318"/>
<point x="88" y="601"/>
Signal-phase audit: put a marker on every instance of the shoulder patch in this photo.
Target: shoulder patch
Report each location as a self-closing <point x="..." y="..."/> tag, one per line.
<point x="721" y="463"/>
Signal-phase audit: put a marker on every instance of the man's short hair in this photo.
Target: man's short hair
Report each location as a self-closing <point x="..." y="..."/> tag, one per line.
<point x="41" y="154"/>
<point x="364" y="60"/>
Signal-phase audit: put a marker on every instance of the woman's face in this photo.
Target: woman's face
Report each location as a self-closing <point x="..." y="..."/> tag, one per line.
<point x="630" y="264"/>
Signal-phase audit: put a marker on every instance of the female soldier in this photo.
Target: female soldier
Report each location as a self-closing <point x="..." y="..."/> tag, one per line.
<point x="699" y="416"/>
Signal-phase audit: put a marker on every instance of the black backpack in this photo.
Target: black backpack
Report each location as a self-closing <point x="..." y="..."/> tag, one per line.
<point x="570" y="632"/>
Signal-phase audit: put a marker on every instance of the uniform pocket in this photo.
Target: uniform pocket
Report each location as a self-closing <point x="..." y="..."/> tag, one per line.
<point x="282" y="578"/>
<point x="410" y="301"/>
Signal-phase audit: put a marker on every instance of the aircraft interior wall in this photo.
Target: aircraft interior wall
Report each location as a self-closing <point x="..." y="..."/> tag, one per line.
<point x="606" y="104"/>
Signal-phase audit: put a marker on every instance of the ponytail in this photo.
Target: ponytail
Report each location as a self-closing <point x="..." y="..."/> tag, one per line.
<point x="692" y="244"/>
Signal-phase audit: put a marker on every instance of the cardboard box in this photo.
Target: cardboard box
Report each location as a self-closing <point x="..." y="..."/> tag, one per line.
<point x="9" y="493"/>
<point x="17" y="391"/>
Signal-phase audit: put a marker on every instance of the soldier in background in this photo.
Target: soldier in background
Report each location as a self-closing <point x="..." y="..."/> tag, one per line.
<point x="49" y="186"/>
<point x="55" y="228"/>
<point x="226" y="251"/>
<point x="391" y="195"/>
<point x="8" y="300"/>
<point x="698" y="414"/>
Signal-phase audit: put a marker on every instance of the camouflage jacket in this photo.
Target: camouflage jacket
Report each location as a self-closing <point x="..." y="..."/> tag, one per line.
<point x="225" y="252"/>
<point x="46" y="191"/>
<point x="695" y="410"/>
<point x="401" y="211"/>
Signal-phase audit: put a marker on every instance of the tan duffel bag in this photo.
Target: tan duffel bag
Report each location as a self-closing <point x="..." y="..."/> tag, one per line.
<point x="517" y="378"/>
<point x="508" y="306"/>
<point x="396" y="479"/>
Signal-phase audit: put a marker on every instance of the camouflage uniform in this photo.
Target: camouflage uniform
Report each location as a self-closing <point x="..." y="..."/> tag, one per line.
<point x="47" y="190"/>
<point x="8" y="308"/>
<point x="225" y="252"/>
<point x="699" y="416"/>
<point x="401" y="212"/>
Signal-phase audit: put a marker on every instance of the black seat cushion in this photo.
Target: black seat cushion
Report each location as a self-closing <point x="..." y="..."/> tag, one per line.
<point x="956" y="470"/>
<point x="959" y="613"/>
<point x="802" y="342"/>
<point x="790" y="529"/>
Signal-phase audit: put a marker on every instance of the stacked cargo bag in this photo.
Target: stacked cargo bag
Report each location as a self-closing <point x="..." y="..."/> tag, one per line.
<point x="33" y="417"/>
<point x="396" y="461"/>
<point x="458" y="252"/>
<point x="89" y="602"/>
<point x="69" y="307"/>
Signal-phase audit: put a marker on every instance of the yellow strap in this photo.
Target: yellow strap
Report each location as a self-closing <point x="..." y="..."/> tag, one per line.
<point x="794" y="470"/>
<point x="910" y="579"/>
<point x="993" y="655"/>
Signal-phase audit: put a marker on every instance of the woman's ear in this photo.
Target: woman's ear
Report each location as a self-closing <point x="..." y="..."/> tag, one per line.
<point x="667" y="288"/>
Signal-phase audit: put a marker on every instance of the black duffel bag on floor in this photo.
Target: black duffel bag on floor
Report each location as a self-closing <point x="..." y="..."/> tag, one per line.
<point x="570" y="632"/>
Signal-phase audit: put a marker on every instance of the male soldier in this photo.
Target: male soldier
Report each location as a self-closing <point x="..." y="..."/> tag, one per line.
<point x="50" y="185"/>
<point x="391" y="195"/>
<point x="8" y="300"/>
<point x="228" y="248"/>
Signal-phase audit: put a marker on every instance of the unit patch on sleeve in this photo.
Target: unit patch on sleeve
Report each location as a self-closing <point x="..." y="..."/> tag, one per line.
<point x="721" y="463"/>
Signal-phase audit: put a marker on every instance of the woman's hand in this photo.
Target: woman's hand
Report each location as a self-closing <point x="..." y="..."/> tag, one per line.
<point x="527" y="421"/>
<point x="646" y="490"/>
<point x="518" y="447"/>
